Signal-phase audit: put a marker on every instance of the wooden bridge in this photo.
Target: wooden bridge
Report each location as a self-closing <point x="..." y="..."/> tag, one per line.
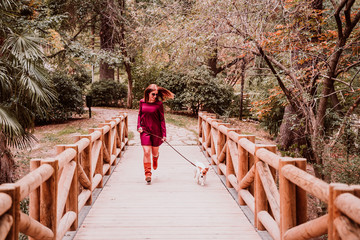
<point x="273" y="188"/>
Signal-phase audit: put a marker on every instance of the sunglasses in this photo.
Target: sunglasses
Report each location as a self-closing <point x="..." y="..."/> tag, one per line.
<point x="154" y="94"/>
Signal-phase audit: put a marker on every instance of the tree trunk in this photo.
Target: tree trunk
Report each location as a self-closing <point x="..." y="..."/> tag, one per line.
<point x="130" y="85"/>
<point x="6" y="161"/>
<point x="127" y="63"/>
<point x="242" y="80"/>
<point x="106" y="42"/>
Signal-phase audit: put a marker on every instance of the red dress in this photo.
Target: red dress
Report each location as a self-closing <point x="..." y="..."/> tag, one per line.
<point x="151" y="119"/>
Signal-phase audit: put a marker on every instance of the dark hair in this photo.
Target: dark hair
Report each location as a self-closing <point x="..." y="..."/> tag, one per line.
<point x="163" y="93"/>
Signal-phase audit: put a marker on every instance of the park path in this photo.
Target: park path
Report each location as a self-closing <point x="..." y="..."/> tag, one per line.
<point x="173" y="206"/>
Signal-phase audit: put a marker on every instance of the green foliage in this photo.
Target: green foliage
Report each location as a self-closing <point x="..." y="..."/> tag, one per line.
<point x="24" y="207"/>
<point x="234" y="108"/>
<point x="174" y="82"/>
<point x="108" y="93"/>
<point x="24" y="85"/>
<point x="204" y="92"/>
<point x="143" y="76"/>
<point x="69" y="98"/>
<point x="82" y="79"/>
<point x="342" y="169"/>
<point x="268" y="103"/>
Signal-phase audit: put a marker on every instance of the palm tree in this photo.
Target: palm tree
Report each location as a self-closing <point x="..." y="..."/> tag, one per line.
<point x="24" y="88"/>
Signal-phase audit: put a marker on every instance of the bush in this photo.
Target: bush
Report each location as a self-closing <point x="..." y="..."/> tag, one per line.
<point x="234" y="108"/>
<point x="206" y="93"/>
<point x="69" y="100"/>
<point x="173" y="82"/>
<point x="143" y="77"/>
<point x="82" y="79"/>
<point x="197" y="90"/>
<point x="108" y="93"/>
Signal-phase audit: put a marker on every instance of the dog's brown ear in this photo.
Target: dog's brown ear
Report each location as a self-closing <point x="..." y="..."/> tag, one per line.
<point x="199" y="167"/>
<point x="206" y="169"/>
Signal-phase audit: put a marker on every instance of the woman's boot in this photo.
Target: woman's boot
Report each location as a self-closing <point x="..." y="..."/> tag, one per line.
<point x="155" y="162"/>
<point x="147" y="168"/>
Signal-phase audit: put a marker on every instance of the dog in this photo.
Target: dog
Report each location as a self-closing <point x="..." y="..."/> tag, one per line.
<point x="200" y="173"/>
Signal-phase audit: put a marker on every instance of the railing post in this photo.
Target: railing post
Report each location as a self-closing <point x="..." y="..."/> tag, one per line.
<point x="222" y="138"/>
<point x="261" y="203"/>
<point x="335" y="189"/>
<point x="34" y="197"/>
<point x="100" y="160"/>
<point x="287" y="199"/>
<point x="243" y="165"/>
<point x="229" y="161"/>
<point x="86" y="162"/>
<point x="126" y="125"/>
<point x="14" y="192"/>
<point x="72" y="202"/>
<point x="251" y="159"/>
<point x="48" y="198"/>
<point x="301" y="197"/>
<point x="200" y="127"/>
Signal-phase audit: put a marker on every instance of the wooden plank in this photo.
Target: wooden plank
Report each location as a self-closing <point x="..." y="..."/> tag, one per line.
<point x="173" y="206"/>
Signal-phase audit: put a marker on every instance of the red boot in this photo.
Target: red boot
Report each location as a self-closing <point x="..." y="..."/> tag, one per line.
<point x="147" y="168"/>
<point x="155" y="162"/>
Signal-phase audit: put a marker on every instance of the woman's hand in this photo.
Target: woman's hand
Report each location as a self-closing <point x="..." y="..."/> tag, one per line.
<point x="164" y="139"/>
<point x="140" y="130"/>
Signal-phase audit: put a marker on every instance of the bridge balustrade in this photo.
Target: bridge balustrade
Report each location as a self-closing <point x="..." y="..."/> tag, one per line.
<point x="275" y="188"/>
<point x="58" y="188"/>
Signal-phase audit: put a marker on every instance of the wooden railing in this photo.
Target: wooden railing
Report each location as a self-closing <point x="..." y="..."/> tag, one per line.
<point x="275" y="188"/>
<point x="60" y="187"/>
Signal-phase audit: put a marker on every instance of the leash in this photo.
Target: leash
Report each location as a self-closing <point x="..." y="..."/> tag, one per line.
<point x="171" y="147"/>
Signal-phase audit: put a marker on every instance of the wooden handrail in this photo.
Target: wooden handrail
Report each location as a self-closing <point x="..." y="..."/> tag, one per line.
<point x="349" y="205"/>
<point x="5" y="203"/>
<point x="252" y="170"/>
<point x="6" y="222"/>
<point x="62" y="185"/>
<point x="308" y="182"/>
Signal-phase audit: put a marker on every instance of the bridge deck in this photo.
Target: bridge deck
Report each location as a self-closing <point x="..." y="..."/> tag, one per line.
<point x="172" y="207"/>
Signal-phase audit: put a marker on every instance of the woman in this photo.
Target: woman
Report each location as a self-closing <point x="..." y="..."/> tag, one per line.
<point x="151" y="125"/>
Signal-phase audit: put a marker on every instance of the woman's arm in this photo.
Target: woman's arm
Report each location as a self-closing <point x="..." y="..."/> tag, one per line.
<point x="139" y="118"/>
<point x="162" y="120"/>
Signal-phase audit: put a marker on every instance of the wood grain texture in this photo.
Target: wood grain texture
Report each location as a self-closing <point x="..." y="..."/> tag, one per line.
<point x="172" y="207"/>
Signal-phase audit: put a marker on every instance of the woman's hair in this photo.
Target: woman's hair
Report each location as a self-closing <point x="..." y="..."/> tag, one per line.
<point x="163" y="93"/>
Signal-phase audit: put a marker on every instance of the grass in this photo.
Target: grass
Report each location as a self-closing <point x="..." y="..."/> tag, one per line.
<point x="61" y="136"/>
<point x="189" y="123"/>
<point x="130" y="135"/>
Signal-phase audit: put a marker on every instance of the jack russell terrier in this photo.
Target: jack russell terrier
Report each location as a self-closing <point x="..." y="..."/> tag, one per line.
<point x="200" y="173"/>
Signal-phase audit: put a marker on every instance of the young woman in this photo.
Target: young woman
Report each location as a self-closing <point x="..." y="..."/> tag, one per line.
<point x="151" y="125"/>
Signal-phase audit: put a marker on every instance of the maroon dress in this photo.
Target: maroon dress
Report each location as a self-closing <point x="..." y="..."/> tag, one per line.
<point x="151" y="119"/>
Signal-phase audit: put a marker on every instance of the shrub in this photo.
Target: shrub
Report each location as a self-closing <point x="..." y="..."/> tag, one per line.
<point x="197" y="90"/>
<point x="173" y="82"/>
<point x="143" y="76"/>
<point x="204" y="92"/>
<point x="82" y="79"/>
<point x="108" y="93"/>
<point x="69" y="100"/>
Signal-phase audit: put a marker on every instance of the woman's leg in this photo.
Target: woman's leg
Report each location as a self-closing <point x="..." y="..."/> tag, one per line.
<point x="147" y="162"/>
<point x="155" y="156"/>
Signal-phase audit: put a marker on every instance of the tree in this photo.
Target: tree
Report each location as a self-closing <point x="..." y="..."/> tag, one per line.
<point x="309" y="73"/>
<point x="24" y="86"/>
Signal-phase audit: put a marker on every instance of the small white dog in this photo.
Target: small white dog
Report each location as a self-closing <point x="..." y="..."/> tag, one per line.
<point x="200" y="173"/>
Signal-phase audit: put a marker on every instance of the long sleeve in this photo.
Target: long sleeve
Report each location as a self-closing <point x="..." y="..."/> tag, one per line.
<point x="162" y="120"/>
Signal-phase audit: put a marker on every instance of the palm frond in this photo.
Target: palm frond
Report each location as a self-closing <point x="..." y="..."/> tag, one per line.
<point x="36" y="92"/>
<point x="7" y="4"/>
<point x="5" y="85"/>
<point x="23" y="46"/>
<point x="9" y="125"/>
<point x="21" y="142"/>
